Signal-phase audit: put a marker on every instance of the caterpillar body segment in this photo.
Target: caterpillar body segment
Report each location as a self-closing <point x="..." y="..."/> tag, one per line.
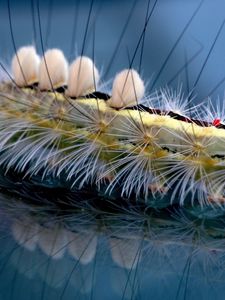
<point x="63" y="127"/>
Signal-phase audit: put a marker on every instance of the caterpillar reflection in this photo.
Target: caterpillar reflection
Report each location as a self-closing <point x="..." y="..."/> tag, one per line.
<point x="67" y="248"/>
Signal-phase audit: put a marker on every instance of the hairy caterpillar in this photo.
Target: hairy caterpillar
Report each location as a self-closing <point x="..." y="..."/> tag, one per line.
<point x="82" y="166"/>
<point x="78" y="135"/>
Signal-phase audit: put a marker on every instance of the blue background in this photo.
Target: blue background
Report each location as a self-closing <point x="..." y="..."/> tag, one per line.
<point x="167" y="22"/>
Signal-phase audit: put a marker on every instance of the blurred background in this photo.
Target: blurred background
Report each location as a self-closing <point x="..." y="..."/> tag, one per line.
<point x="174" y="50"/>
<point x="110" y="259"/>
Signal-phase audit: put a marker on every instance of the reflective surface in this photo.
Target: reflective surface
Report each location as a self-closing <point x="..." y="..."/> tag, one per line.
<point x="123" y="253"/>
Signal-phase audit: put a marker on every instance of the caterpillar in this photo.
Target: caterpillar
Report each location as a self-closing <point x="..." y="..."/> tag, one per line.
<point x="91" y="137"/>
<point x="108" y="193"/>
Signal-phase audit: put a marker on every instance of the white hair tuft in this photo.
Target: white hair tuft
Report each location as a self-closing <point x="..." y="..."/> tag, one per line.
<point x="53" y="72"/>
<point x="25" y="65"/>
<point x="128" y="89"/>
<point x="83" y="77"/>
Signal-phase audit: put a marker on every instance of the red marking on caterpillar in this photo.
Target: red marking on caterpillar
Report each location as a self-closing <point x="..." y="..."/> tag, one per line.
<point x="216" y="122"/>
